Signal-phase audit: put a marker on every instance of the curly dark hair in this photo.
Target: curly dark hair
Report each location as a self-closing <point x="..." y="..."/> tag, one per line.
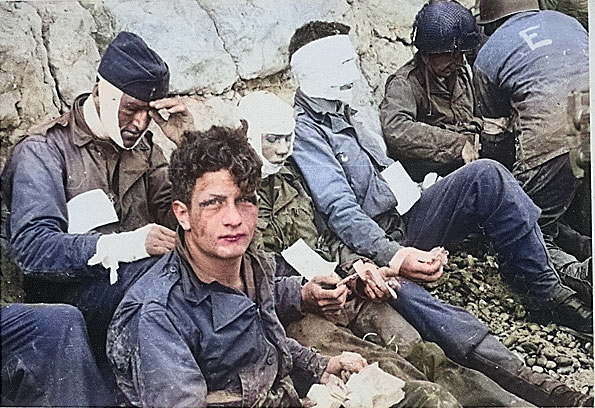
<point x="315" y="30"/>
<point x="219" y="148"/>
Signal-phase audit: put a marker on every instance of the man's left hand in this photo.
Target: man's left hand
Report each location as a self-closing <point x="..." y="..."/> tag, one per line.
<point x="343" y="366"/>
<point x="178" y="117"/>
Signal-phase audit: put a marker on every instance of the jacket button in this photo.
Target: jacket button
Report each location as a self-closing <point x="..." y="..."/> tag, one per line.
<point x="270" y="359"/>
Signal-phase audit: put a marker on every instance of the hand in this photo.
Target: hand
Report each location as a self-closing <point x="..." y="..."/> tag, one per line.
<point x="317" y="300"/>
<point x="160" y="240"/>
<point x="470" y="152"/>
<point x="418" y="265"/>
<point x="178" y="117"/>
<point x="343" y="366"/>
<point x="378" y="283"/>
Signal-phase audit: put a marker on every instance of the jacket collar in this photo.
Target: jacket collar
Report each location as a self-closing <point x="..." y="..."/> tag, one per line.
<point x="319" y="109"/>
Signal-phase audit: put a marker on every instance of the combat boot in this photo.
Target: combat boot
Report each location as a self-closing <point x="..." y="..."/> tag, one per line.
<point x="575" y="274"/>
<point x="566" y="308"/>
<point x="497" y="362"/>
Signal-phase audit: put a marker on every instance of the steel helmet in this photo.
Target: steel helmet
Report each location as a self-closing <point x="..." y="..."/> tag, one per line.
<point x="492" y="10"/>
<point x="444" y="26"/>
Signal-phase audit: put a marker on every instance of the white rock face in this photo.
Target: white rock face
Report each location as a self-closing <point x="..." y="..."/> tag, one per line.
<point x="217" y="50"/>
<point x="27" y="88"/>
<point x="72" y="52"/>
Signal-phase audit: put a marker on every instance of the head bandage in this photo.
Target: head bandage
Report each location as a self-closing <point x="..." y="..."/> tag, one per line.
<point x="326" y="68"/>
<point x="265" y="114"/>
<point x="106" y="124"/>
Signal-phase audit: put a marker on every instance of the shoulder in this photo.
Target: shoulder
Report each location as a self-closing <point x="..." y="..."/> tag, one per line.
<point x="156" y="284"/>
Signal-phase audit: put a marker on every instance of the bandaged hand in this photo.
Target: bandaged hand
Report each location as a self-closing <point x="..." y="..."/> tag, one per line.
<point x="343" y="366"/>
<point x="172" y="116"/>
<point x="317" y="299"/>
<point x="418" y="265"/>
<point x="130" y="246"/>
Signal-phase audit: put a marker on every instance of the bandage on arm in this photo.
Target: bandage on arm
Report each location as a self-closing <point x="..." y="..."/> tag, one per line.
<point x="121" y="247"/>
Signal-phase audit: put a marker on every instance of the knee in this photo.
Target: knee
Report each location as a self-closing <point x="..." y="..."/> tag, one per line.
<point x="56" y="318"/>
<point x="488" y="168"/>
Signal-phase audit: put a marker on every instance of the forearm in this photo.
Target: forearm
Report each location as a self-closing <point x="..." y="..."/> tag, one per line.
<point x="306" y="359"/>
<point x="406" y="135"/>
<point x="49" y="253"/>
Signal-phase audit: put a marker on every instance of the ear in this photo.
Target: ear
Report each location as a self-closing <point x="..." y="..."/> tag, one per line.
<point x="181" y="212"/>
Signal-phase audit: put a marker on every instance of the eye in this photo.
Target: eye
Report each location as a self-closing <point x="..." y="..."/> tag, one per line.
<point x="249" y="199"/>
<point x="127" y="112"/>
<point x="270" y="139"/>
<point x="211" y="203"/>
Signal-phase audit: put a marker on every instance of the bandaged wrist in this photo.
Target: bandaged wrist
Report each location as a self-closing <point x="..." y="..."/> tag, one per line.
<point x="123" y="247"/>
<point x="399" y="257"/>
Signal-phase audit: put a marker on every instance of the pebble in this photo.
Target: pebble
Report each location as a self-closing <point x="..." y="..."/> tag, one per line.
<point x="552" y="349"/>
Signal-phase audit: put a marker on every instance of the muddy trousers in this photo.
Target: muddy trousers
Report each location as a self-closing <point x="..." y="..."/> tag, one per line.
<point x="552" y="187"/>
<point x="432" y="380"/>
<point x="46" y="358"/>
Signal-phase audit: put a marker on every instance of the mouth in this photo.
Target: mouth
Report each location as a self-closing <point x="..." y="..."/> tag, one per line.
<point x="232" y="238"/>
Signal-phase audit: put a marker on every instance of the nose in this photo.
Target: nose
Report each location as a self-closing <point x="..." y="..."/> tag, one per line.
<point x="140" y="118"/>
<point x="282" y="148"/>
<point x="232" y="216"/>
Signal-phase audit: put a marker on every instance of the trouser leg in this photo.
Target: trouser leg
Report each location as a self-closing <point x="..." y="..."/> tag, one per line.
<point x="552" y="187"/>
<point x="98" y="300"/>
<point x="46" y="359"/>
<point x="453" y="328"/>
<point x="384" y="326"/>
<point x="423" y="394"/>
<point x="330" y="339"/>
<point x="498" y="363"/>
<point x="470" y="387"/>
<point x="483" y="196"/>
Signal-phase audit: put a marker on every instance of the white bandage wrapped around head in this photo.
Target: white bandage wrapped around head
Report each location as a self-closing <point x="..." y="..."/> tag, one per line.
<point x="265" y="114"/>
<point x="326" y="68"/>
<point x="106" y="124"/>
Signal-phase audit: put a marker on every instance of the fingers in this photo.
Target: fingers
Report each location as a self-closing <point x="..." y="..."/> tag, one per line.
<point x="160" y="240"/>
<point x="316" y="299"/>
<point x="173" y="105"/>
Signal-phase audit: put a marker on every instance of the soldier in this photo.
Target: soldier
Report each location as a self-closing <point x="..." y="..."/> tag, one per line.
<point x="318" y="310"/>
<point x="428" y="111"/>
<point x="341" y="164"/>
<point x="525" y="71"/>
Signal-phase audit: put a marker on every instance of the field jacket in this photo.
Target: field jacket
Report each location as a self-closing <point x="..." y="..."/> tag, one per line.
<point x="60" y="160"/>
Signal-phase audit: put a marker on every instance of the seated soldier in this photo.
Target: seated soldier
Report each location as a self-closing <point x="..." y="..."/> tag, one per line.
<point x="341" y="162"/>
<point x="428" y="111"/>
<point x="200" y="327"/>
<point x="318" y="317"/>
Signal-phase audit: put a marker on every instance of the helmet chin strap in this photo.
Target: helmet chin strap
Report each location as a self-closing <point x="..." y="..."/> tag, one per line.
<point x="105" y="124"/>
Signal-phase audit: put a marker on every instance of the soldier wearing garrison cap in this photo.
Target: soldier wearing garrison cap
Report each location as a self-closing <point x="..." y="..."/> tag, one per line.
<point x="89" y="193"/>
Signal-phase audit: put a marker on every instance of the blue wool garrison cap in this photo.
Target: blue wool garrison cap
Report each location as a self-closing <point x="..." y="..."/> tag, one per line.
<point x="131" y="66"/>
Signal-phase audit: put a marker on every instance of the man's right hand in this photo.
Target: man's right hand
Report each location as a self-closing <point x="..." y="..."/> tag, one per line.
<point x="418" y="265"/>
<point x="316" y="299"/>
<point x="160" y="240"/>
